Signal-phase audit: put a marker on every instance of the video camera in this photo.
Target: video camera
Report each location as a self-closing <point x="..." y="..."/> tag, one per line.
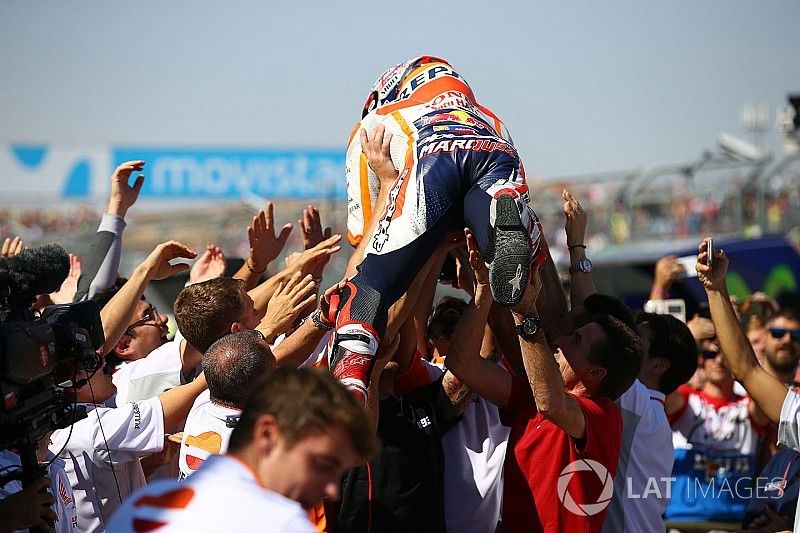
<point x="40" y="356"/>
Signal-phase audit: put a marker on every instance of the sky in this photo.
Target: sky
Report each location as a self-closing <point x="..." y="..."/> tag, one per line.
<point x="583" y="87"/>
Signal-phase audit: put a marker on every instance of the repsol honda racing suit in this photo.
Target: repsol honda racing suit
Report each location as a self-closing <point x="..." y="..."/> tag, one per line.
<point x="457" y="165"/>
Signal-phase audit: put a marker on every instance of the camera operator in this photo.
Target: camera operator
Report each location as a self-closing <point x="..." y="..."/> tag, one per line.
<point x="102" y="452"/>
<point x="32" y="407"/>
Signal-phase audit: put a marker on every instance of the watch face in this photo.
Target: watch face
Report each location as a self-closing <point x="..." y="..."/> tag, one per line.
<point x="584" y="265"/>
<point x="530" y="326"/>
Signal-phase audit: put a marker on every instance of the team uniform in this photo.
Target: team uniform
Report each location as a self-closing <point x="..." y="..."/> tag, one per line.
<point x="102" y="456"/>
<point x="145" y="378"/>
<point x="457" y="166"/>
<point x="223" y="495"/>
<point x="207" y="431"/>
<point x="716" y="445"/>
<point x="641" y="485"/>
<point x="554" y="482"/>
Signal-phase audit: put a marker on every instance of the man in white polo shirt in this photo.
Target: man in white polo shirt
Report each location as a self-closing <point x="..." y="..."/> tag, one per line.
<point x="298" y="432"/>
<point x="646" y="457"/>
<point x="232" y="366"/>
<point x="102" y="451"/>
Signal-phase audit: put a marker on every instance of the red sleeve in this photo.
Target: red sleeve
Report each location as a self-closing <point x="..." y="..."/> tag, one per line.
<point x="416" y="376"/>
<point x="685" y="390"/>
<point x="603" y="433"/>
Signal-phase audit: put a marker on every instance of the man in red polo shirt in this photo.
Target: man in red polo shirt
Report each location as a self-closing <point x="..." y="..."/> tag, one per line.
<point x="565" y="427"/>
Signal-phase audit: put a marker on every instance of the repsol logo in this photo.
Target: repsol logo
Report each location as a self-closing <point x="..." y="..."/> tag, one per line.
<point x="476" y="145"/>
<point x="430" y="74"/>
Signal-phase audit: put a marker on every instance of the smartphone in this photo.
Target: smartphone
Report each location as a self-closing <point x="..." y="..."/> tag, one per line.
<point x="710" y="258"/>
<point x="448" y="273"/>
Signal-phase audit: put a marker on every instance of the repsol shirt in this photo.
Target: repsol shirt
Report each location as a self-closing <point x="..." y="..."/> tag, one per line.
<point x="222" y="496"/>
<point x="207" y="432"/>
<point x="402" y="488"/>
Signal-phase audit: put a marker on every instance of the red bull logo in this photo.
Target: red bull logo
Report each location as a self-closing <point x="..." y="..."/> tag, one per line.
<point x="459" y="117"/>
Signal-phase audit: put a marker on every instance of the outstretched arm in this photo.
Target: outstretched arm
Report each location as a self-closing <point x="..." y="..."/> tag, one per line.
<point x="118" y="312"/>
<point x="544" y="376"/>
<point x="100" y="265"/>
<point x="582" y="285"/>
<point x="766" y="390"/>
<point x="482" y="376"/>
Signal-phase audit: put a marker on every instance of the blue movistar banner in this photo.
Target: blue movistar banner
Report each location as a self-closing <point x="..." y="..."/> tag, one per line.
<point x="182" y="173"/>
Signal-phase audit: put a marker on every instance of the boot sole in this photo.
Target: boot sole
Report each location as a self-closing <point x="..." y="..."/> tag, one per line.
<point x="508" y="272"/>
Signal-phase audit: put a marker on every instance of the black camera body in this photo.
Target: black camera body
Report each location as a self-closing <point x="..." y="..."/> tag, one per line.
<point x="39" y="359"/>
<point x="40" y="356"/>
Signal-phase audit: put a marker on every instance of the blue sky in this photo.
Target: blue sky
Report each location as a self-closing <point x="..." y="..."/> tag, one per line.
<point x="582" y="86"/>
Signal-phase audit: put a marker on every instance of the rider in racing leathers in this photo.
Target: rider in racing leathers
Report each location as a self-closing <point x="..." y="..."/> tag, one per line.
<point x="457" y="165"/>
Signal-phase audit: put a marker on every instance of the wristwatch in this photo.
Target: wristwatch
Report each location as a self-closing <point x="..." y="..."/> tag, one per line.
<point x="583" y="265"/>
<point x="316" y="318"/>
<point x="529" y="328"/>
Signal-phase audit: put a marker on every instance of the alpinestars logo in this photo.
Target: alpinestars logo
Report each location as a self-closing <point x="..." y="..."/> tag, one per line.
<point x="382" y="231"/>
<point x="517" y="281"/>
<point x="585" y="509"/>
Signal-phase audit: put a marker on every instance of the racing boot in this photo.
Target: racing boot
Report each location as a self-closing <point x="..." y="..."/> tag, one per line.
<point x="354" y="344"/>
<point x="514" y="242"/>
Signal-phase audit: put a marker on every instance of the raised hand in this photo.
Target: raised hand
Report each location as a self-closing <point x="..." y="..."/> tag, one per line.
<point x="264" y="244"/>
<point x="476" y="259"/>
<point x="712" y="277"/>
<point x="311" y="228"/>
<point x="210" y="265"/>
<point x="379" y="157"/>
<point x="66" y="293"/>
<point x="576" y="218"/>
<point x="157" y="264"/>
<point x="309" y="260"/>
<point x="123" y="195"/>
<point x="286" y="304"/>
<point x="12" y="247"/>
<point x="668" y="270"/>
<point x="313" y="234"/>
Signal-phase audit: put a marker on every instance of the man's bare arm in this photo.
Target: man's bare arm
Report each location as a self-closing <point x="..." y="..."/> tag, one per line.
<point x="463" y="358"/>
<point x="766" y="390"/>
<point x="117" y="314"/>
<point x="543" y="373"/>
<point x="582" y="285"/>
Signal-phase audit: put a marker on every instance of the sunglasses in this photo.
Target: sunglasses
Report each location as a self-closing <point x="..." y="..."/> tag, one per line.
<point x="709" y="354"/>
<point x="778" y="333"/>
<point x="151" y="315"/>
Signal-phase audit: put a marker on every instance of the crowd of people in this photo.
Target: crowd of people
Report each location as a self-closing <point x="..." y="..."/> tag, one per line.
<point x="371" y="405"/>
